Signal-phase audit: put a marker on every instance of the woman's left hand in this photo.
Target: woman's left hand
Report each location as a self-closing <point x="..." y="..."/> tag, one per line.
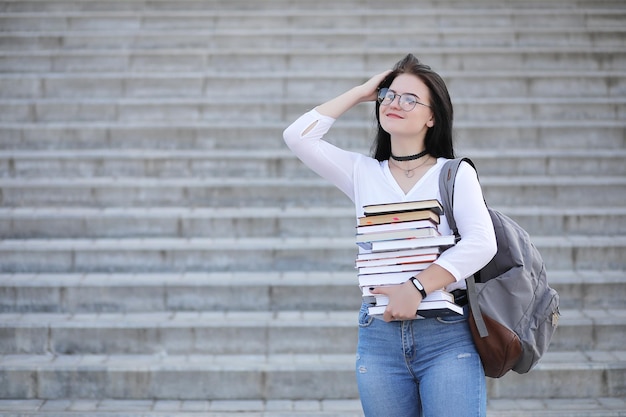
<point x="404" y="300"/>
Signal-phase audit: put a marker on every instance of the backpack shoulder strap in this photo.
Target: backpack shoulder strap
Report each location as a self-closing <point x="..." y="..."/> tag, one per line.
<point x="446" y="189"/>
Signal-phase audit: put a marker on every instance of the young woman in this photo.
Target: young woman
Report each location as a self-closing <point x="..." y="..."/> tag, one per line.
<point x="408" y="367"/>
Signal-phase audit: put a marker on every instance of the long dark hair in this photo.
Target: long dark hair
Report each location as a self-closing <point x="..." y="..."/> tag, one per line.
<point x="438" y="140"/>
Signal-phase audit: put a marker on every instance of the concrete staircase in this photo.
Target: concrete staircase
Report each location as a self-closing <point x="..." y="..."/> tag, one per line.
<point x="162" y="253"/>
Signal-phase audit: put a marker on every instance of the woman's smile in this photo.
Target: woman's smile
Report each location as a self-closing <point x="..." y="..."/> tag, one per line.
<point x="392" y="115"/>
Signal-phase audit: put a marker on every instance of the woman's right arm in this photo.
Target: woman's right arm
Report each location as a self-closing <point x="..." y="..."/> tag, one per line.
<point x="304" y="136"/>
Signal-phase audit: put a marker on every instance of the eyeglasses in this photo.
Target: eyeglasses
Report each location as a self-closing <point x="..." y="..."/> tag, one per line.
<point x="407" y="101"/>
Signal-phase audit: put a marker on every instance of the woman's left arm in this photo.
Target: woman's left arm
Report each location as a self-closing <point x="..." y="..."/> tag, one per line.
<point x="478" y="240"/>
<point x="476" y="248"/>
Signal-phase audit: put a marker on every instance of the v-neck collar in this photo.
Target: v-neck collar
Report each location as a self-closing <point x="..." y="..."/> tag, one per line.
<point x="396" y="186"/>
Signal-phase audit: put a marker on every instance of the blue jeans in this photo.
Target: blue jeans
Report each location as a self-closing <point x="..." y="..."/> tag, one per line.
<point x="419" y="368"/>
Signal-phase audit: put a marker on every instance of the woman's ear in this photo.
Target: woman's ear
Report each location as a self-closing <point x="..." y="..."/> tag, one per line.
<point x="430" y="122"/>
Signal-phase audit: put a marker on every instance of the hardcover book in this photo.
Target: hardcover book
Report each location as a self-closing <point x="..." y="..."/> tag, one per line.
<point x="366" y="240"/>
<point x="433" y="205"/>
<point x="399" y="217"/>
<point x="426" y="309"/>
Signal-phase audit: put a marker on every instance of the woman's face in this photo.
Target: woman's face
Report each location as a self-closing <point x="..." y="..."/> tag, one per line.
<point x="401" y="122"/>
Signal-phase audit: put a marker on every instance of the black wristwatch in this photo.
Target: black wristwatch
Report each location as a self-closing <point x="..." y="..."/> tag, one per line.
<point x="419" y="287"/>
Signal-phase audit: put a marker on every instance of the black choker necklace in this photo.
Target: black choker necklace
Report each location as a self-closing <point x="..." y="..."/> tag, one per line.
<point x="408" y="158"/>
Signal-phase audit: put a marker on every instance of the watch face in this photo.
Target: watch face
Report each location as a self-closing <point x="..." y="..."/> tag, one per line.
<point x="419" y="287"/>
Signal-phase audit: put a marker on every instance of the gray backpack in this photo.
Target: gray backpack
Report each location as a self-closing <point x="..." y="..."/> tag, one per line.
<point x="514" y="312"/>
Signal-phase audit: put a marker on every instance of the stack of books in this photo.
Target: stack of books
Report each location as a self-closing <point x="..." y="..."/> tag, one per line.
<point x="397" y="241"/>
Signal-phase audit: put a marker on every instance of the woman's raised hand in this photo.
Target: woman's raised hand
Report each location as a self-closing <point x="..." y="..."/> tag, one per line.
<point x="370" y="87"/>
<point x="344" y="102"/>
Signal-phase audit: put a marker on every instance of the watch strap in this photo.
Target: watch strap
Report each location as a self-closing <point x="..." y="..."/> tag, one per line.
<point x="419" y="287"/>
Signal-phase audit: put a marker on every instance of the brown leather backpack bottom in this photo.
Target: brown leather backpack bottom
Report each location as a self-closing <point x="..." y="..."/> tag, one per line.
<point x="500" y="350"/>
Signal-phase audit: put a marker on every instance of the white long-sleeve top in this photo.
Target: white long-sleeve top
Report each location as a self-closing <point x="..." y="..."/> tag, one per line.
<point x="366" y="181"/>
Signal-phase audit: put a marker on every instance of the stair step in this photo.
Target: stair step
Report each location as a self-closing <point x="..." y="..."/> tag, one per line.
<point x="205" y="110"/>
<point x="562" y="407"/>
<point x="205" y="408"/>
<point x="279" y="83"/>
<point x="179" y="377"/>
<point x="246" y="333"/>
<point x="279" y="15"/>
<point x="585" y="135"/>
<point x="263" y="254"/>
<point x="326" y="9"/>
<point x="271" y="192"/>
<point x="246" y="8"/>
<point x="312" y="59"/>
<point x="590" y="330"/>
<point x="418" y="36"/>
<point x="180" y="333"/>
<point x="237" y="222"/>
<point x="234" y="377"/>
<point x="154" y="163"/>
<point x="567" y="407"/>
<point x="76" y="293"/>
<point x="564" y="366"/>
<point x="251" y="291"/>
